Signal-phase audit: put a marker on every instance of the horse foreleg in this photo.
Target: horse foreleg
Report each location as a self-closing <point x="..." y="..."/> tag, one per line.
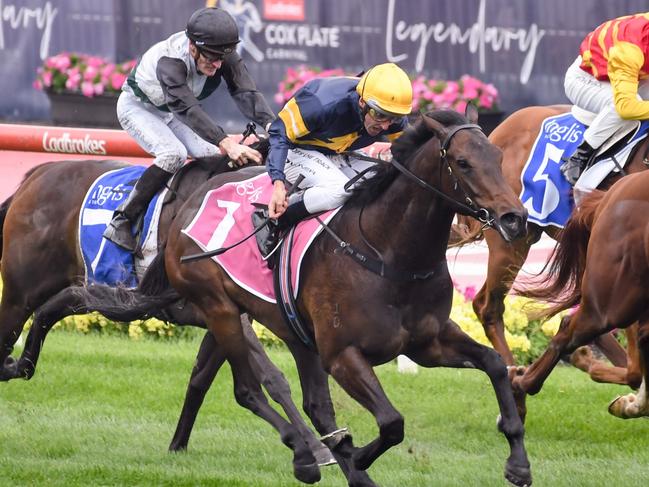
<point x="208" y="362"/>
<point x="279" y="390"/>
<point x="318" y="405"/>
<point x="636" y="405"/>
<point x="224" y="322"/>
<point x="575" y="330"/>
<point x="599" y="371"/>
<point x="504" y="263"/>
<point x="454" y="348"/>
<point x="356" y="376"/>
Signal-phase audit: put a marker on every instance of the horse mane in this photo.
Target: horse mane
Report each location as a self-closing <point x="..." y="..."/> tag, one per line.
<point x="402" y="150"/>
<point x="219" y="164"/>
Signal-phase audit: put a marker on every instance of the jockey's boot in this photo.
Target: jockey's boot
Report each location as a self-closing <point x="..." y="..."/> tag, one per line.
<point x="574" y="166"/>
<point x="268" y="237"/>
<point x="119" y="229"/>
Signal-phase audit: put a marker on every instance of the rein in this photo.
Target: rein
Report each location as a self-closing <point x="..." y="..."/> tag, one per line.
<point x="480" y="214"/>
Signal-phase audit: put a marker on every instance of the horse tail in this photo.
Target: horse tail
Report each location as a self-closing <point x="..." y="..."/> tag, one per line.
<point x="561" y="284"/>
<point x="467" y="230"/>
<point x="121" y="304"/>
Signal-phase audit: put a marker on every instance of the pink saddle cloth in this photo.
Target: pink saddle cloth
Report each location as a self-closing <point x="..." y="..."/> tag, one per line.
<point x="225" y="217"/>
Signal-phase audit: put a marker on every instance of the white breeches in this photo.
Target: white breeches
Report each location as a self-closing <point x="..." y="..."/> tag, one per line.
<point x="160" y="133"/>
<point x="324" y="177"/>
<point x="585" y="91"/>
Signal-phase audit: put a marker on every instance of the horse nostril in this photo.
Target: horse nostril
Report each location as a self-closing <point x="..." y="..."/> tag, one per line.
<point x="514" y="223"/>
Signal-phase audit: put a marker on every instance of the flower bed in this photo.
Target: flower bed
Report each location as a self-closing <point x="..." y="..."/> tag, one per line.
<point x="428" y="94"/>
<point x="82" y="73"/>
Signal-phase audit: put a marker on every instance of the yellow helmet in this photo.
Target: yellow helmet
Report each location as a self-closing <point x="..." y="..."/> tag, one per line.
<point x="386" y="88"/>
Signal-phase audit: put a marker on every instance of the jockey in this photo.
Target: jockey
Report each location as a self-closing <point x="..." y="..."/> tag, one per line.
<point x="160" y="108"/>
<point x="325" y="117"/>
<point x="610" y="77"/>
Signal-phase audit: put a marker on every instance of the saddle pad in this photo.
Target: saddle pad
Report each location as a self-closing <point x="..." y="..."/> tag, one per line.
<point x="225" y="217"/>
<point x="105" y="262"/>
<point x="595" y="174"/>
<point x="546" y="194"/>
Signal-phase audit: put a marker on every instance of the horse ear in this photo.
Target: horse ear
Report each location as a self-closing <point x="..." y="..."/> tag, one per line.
<point x="434" y="126"/>
<point x="471" y="113"/>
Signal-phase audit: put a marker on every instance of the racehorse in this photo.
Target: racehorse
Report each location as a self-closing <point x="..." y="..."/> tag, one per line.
<point x="516" y="136"/>
<point x="601" y="263"/>
<point x="39" y="228"/>
<point x="360" y="318"/>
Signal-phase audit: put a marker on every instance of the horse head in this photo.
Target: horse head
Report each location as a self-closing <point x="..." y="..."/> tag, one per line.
<point x="470" y="172"/>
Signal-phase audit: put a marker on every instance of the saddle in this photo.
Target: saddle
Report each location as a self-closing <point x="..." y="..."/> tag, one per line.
<point x="610" y="149"/>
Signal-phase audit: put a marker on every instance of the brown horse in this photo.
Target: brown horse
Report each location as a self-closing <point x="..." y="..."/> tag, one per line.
<point x="359" y="318"/>
<point x="516" y="136"/>
<point x="39" y="231"/>
<point x="601" y="263"/>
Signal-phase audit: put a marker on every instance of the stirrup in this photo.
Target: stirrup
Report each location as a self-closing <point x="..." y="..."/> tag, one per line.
<point x="118" y="231"/>
<point x="268" y="236"/>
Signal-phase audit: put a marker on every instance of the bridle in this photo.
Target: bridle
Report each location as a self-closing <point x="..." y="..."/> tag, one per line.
<point x="468" y="206"/>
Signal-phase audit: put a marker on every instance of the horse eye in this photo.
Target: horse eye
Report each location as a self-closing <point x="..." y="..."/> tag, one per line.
<point x="463" y="163"/>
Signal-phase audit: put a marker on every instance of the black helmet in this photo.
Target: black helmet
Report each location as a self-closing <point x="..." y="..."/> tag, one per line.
<point x="213" y="30"/>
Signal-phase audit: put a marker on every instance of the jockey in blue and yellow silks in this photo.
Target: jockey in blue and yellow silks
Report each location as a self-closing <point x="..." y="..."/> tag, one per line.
<point x="325" y="117"/>
<point x="610" y="77"/>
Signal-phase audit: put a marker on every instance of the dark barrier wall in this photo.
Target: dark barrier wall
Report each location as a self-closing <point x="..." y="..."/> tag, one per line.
<point x="522" y="46"/>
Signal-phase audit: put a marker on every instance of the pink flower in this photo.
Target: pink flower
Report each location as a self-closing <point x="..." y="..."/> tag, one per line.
<point x="107" y="70"/>
<point x="485" y="101"/>
<point x="279" y="98"/>
<point x="87" y="88"/>
<point x="95" y="62"/>
<point x="90" y="73"/>
<point x="469" y="293"/>
<point x="117" y="80"/>
<point x="98" y="88"/>
<point x="47" y="78"/>
<point x="460" y="106"/>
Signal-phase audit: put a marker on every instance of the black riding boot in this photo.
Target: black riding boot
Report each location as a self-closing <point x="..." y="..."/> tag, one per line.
<point x="119" y="230"/>
<point x="574" y="166"/>
<point x="268" y="237"/>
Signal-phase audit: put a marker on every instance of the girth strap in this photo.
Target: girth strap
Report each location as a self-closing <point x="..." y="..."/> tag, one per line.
<point x="376" y="266"/>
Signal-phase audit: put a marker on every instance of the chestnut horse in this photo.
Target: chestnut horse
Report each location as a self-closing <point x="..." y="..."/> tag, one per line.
<point x="39" y="228"/>
<point x="601" y="263"/>
<point x="357" y="318"/>
<point x="516" y="136"/>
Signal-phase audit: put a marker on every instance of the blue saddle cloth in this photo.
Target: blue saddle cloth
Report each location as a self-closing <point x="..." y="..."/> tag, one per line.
<point x="105" y="262"/>
<point x="546" y="194"/>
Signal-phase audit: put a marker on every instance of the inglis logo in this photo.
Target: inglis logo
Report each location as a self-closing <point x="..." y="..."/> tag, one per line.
<point x="65" y="143"/>
<point x="570" y="133"/>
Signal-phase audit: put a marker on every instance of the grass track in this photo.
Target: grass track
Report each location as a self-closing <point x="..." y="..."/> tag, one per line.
<point x="102" y="410"/>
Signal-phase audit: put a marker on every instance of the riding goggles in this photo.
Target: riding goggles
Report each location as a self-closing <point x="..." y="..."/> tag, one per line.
<point x="215" y="54"/>
<point x="381" y="115"/>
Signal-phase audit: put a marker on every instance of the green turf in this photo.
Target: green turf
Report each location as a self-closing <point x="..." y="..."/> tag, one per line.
<point x="102" y="410"/>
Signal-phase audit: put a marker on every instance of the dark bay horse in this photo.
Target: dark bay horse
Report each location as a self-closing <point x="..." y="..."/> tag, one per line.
<point x="601" y="263"/>
<point x="516" y="136"/>
<point x="39" y="224"/>
<point x="359" y="319"/>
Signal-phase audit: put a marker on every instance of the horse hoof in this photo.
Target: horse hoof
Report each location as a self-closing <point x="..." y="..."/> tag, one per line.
<point x="519" y="476"/>
<point x="309" y="474"/>
<point x="323" y="457"/>
<point x="625" y="407"/>
<point x="9" y="369"/>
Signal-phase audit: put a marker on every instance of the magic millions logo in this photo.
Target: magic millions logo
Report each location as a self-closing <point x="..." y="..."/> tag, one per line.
<point x="284" y="33"/>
